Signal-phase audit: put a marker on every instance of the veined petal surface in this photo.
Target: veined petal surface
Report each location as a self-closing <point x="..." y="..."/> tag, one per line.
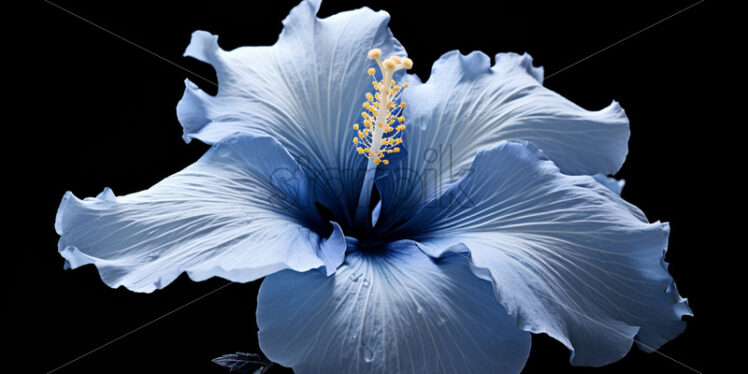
<point x="567" y="256"/>
<point x="467" y="105"/>
<point x="392" y="312"/>
<point x="240" y="212"/>
<point x="306" y="91"/>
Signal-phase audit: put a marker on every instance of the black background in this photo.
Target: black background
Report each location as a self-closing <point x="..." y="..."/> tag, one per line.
<point x="103" y="114"/>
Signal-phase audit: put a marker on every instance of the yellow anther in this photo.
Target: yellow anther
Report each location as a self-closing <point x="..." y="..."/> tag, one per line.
<point x="360" y="134"/>
<point x="405" y="85"/>
<point x="369" y="96"/>
<point x="367" y="123"/>
<point x="365" y="115"/>
<point x="392" y="82"/>
<point x="396" y="149"/>
<point x="360" y="150"/>
<point x="371" y="71"/>
<point x="396" y="88"/>
<point x="367" y="131"/>
<point x="355" y="126"/>
<point x="375" y="53"/>
<point x="397" y="59"/>
<point x="407" y="63"/>
<point x="389" y="63"/>
<point x="386" y="162"/>
<point x="377" y="161"/>
<point x="355" y="140"/>
<point x="402" y="105"/>
<point x="401" y="119"/>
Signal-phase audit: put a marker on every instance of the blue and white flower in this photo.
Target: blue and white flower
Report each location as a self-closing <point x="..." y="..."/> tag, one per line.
<point x="494" y="220"/>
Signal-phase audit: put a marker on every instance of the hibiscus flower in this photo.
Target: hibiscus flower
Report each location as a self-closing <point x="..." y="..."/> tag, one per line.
<point x="469" y="210"/>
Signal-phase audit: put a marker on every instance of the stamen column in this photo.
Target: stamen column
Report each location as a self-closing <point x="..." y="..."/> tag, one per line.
<point x="378" y="137"/>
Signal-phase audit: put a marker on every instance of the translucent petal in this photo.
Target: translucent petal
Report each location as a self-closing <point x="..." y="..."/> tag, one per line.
<point x="240" y="212"/>
<point x="306" y="91"/>
<point x="567" y="256"/>
<point x="398" y="312"/>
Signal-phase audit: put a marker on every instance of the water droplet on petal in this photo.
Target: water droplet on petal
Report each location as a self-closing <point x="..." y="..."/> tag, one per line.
<point x="368" y="353"/>
<point x="365" y="283"/>
<point x="441" y="321"/>
<point x="356" y="276"/>
<point x="419" y="310"/>
<point x="223" y="152"/>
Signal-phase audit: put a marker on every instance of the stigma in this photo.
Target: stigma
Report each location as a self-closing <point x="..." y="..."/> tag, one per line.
<point x="383" y="123"/>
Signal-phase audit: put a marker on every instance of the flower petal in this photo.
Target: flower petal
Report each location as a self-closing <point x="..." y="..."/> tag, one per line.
<point x="567" y="256"/>
<point x="615" y="185"/>
<point x="467" y="105"/>
<point x="391" y="312"/>
<point x="240" y="213"/>
<point x="306" y="91"/>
